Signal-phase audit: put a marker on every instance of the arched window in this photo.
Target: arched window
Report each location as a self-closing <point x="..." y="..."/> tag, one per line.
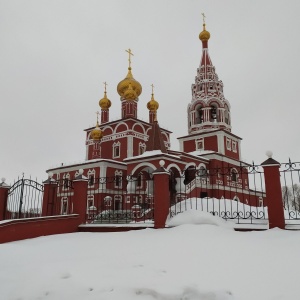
<point x="234" y="175"/>
<point x="202" y="172"/>
<point x="116" y="150"/>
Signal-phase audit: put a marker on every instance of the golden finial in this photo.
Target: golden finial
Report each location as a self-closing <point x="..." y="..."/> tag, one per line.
<point x="105" y="84"/>
<point x="204" y="35"/>
<point x="129" y="57"/>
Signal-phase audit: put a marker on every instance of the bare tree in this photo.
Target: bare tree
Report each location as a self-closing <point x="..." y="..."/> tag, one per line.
<point x="291" y="197"/>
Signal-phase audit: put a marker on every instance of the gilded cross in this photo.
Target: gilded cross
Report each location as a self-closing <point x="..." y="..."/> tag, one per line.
<point x="129" y="56"/>
<point x="97" y="113"/>
<point x="203" y="15"/>
<point x="152" y="88"/>
<point x="105" y="84"/>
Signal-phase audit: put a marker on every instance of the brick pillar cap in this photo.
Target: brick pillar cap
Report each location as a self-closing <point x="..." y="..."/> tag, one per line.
<point x="270" y="162"/>
<point x="161" y="169"/>
<point x="49" y="181"/>
<point x="81" y="177"/>
<point x="4" y="185"/>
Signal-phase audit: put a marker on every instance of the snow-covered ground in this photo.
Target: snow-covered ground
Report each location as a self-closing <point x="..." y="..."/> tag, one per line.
<point x="203" y="261"/>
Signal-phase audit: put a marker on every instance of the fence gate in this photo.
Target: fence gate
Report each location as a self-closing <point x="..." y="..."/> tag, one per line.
<point x="25" y="199"/>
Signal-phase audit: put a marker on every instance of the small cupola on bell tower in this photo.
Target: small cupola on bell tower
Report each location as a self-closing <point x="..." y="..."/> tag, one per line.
<point x="208" y="109"/>
<point x="129" y="90"/>
<point x="153" y="106"/>
<point x="104" y="104"/>
<point x="96" y="136"/>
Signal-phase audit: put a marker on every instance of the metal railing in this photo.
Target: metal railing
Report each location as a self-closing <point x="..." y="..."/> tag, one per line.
<point x="290" y="185"/>
<point x="233" y="193"/>
<point x="120" y="200"/>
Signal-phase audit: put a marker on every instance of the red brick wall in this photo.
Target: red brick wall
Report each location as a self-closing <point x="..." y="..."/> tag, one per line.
<point x="20" y="229"/>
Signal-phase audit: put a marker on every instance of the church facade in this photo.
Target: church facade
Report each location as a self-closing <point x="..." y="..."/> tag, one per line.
<point x="128" y="150"/>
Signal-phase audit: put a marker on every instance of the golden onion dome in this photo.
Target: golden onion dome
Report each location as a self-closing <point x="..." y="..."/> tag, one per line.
<point x="97" y="133"/>
<point x="153" y="105"/>
<point x="204" y="35"/>
<point x="130" y="93"/>
<point x="124" y="85"/>
<point x="105" y="103"/>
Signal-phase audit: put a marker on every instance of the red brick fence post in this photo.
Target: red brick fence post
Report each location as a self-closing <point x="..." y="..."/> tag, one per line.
<point x="80" y="184"/>
<point x="3" y="198"/>
<point x="50" y="186"/>
<point x="161" y="196"/>
<point x="273" y="192"/>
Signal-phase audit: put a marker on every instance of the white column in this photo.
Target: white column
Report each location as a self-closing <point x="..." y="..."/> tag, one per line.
<point x="129" y="146"/>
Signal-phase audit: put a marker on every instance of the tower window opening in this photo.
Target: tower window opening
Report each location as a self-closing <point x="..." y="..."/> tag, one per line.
<point x="199" y="118"/>
<point x="213" y="113"/>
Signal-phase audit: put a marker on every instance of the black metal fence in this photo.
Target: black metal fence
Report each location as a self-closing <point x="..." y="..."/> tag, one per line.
<point x="290" y="182"/>
<point x="25" y="198"/>
<point x="120" y="200"/>
<point x="233" y="193"/>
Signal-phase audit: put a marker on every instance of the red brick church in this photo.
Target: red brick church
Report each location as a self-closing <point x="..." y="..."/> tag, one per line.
<point x="208" y="163"/>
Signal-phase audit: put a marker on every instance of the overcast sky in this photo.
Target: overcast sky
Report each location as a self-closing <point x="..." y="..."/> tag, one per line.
<point x="55" y="55"/>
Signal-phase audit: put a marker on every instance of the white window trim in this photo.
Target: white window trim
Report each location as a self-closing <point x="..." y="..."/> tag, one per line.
<point x="63" y="201"/>
<point x="118" y="144"/>
<point x="198" y="142"/>
<point x="228" y="143"/>
<point x="234" y="148"/>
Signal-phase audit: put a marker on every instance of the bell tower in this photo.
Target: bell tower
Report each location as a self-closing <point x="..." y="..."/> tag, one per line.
<point x="208" y="109"/>
<point x="209" y="120"/>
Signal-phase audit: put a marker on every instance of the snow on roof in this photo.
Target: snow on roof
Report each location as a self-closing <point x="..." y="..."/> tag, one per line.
<point x="201" y="152"/>
<point x="151" y="153"/>
<point x="85" y="162"/>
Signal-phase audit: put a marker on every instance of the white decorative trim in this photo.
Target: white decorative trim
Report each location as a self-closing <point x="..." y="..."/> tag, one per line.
<point x="199" y="144"/>
<point x="129" y="146"/>
<point x="143" y="164"/>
